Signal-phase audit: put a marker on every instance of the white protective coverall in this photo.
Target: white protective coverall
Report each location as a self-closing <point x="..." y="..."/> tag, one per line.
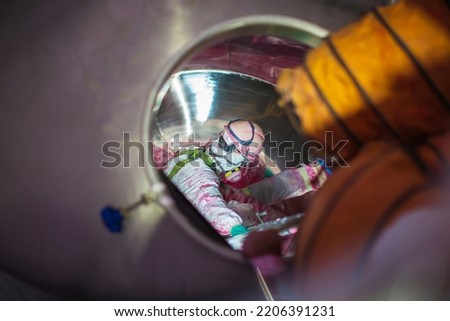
<point x="200" y="184"/>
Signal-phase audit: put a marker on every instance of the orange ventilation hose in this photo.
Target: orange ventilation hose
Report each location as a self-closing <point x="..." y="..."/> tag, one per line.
<point x="386" y="76"/>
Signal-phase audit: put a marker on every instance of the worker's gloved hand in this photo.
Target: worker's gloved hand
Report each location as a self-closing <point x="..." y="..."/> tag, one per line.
<point x="238" y="229"/>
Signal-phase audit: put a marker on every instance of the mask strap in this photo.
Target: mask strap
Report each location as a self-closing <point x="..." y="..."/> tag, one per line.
<point x="236" y="137"/>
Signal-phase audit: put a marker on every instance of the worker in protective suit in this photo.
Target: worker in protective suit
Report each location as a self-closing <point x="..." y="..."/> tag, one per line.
<point x="199" y="171"/>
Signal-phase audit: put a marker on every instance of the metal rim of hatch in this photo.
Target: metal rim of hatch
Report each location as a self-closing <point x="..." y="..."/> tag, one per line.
<point x="270" y="25"/>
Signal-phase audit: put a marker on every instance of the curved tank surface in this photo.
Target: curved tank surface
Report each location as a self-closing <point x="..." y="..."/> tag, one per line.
<point x="75" y="76"/>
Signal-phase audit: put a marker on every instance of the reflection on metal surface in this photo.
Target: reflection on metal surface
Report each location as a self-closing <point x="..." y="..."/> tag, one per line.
<point x="199" y="103"/>
<point x="176" y="85"/>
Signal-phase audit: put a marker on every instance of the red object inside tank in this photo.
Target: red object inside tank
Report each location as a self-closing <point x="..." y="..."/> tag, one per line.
<point x="260" y="56"/>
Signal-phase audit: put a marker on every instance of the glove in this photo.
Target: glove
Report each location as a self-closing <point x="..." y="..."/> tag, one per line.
<point x="238" y="229"/>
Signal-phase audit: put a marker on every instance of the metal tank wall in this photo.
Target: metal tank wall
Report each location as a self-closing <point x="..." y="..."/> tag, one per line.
<point x="74" y="75"/>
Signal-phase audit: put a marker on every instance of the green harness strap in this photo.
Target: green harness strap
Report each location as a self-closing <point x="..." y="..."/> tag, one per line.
<point x="192" y="155"/>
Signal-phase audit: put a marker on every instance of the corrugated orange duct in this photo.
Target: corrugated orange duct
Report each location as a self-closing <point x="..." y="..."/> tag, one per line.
<point x="384" y="76"/>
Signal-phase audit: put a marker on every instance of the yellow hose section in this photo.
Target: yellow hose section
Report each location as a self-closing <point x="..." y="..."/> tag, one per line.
<point x="391" y="80"/>
<point x="302" y="93"/>
<point x="425" y="28"/>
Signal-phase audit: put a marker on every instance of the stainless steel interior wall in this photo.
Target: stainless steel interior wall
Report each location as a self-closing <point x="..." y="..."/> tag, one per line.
<point x="75" y="74"/>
